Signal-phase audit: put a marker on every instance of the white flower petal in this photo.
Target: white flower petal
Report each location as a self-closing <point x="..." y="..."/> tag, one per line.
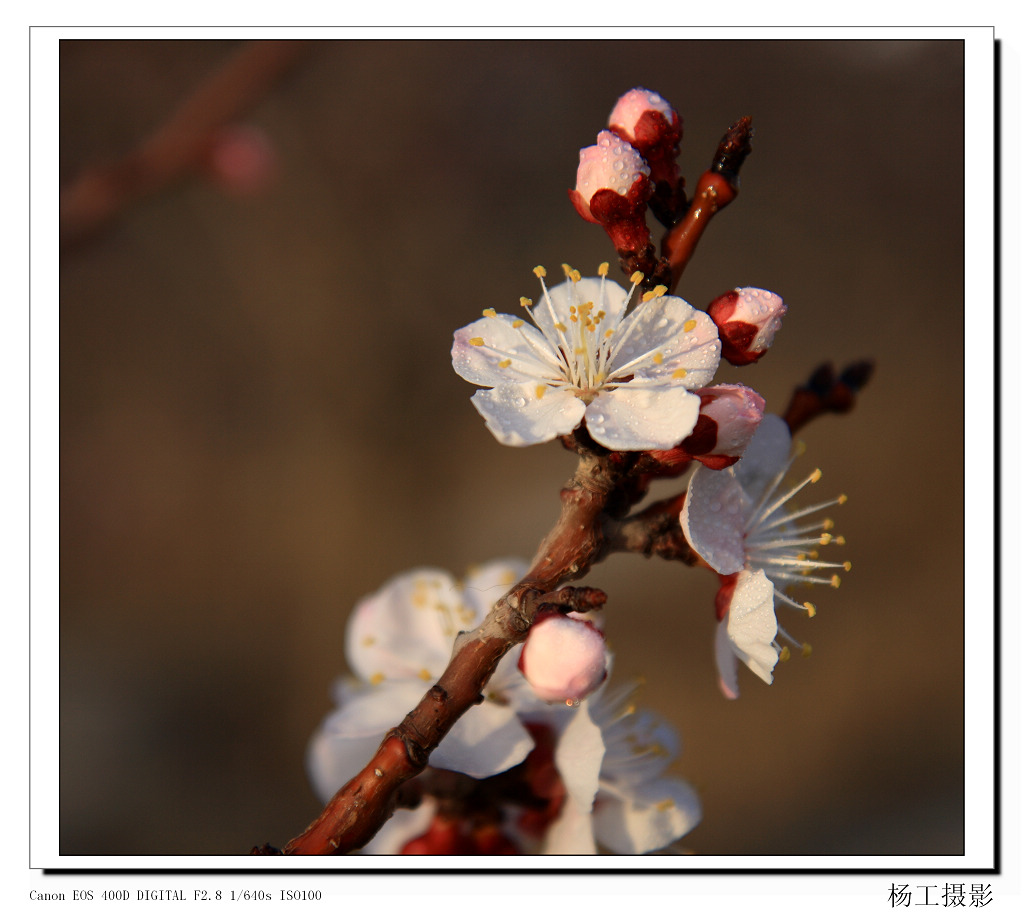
<point x="579" y="753"/>
<point x="725" y="659"/>
<point x="487" y="740"/>
<point x="407" y="628"/>
<point x="751" y="623"/>
<point x="481" y="348"/>
<point x="572" y="833"/>
<point x="605" y="294"/>
<point x="401" y="829"/>
<point x="516" y="415"/>
<point x="655" y="815"/>
<point x="636" y="418"/>
<point x="766" y="455"/>
<point x="714" y="518"/>
<point x="665" y="336"/>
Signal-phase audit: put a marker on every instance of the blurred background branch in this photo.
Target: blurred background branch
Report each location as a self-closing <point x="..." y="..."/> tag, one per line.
<point x="98" y="194"/>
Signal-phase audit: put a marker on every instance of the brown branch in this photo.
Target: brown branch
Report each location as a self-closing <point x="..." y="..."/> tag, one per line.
<point x="573" y="545"/>
<point x="715" y="189"/>
<point x="102" y="192"/>
<point x="653" y="532"/>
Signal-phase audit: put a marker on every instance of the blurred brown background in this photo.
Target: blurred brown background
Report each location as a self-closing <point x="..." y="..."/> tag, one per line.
<point x="260" y="424"/>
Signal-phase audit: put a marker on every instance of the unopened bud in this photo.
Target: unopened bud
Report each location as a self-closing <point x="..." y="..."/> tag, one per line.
<point x="564" y="657"/>
<point x="729" y="417"/>
<point x="648" y="122"/>
<point x="747" y="321"/>
<point x="612" y="188"/>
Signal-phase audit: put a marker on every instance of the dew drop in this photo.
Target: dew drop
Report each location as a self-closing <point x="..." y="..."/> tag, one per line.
<point x="572" y="702"/>
<point x="520" y="401"/>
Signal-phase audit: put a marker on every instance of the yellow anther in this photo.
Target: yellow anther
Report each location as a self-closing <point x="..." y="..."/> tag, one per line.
<point x="490" y="312"/>
<point x="835" y="581"/>
<point x="784" y="655"/>
<point x="679" y="373"/>
<point x="579" y="351"/>
<point x="811" y="610"/>
<point x="659" y="290"/>
<point x="847" y="566"/>
<point x="516" y="324"/>
<point x="424" y="674"/>
<point x="828" y="524"/>
<point x="600" y="316"/>
<point x="805" y="650"/>
<point x="591" y="328"/>
<point x="540" y="272"/>
<point x="801" y="556"/>
<point x="648" y="296"/>
<point x="377" y="678"/>
<point x="814" y="555"/>
<point x="826" y="538"/>
<point x="658" y="358"/>
<point x="842" y="498"/>
<point x="667" y="804"/>
<point x="637" y="277"/>
<point x="476" y="341"/>
<point x="504" y="363"/>
<point x="815" y="475"/>
<point x="574" y="274"/>
<point x="540" y="389"/>
<point x="608" y="334"/>
<point x="560" y="327"/>
<point x="602" y="270"/>
<point x="525" y="302"/>
<point x="689" y="326"/>
<point x="840" y="540"/>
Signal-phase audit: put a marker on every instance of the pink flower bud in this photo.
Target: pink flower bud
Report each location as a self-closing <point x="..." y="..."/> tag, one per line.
<point x="563" y="657"/>
<point x="646" y="120"/>
<point x="747" y="321"/>
<point x="729" y="417"/>
<point x="653" y="127"/>
<point x="611" y="164"/>
<point x="612" y="189"/>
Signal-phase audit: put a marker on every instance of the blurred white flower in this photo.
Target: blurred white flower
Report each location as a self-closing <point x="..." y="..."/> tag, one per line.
<point x="399" y="641"/>
<point x="612" y="758"/>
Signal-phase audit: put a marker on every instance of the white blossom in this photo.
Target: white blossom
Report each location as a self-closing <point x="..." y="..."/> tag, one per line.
<point x="739" y="520"/>
<point x="628" y="376"/>
<point x="399" y="641"/>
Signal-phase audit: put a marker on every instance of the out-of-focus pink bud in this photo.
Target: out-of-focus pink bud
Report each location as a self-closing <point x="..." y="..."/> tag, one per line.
<point x="747" y="321"/>
<point x="648" y="122"/>
<point x="729" y="417"/>
<point x="564" y="657"/>
<point x="612" y="189"/>
<point x="241" y="159"/>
